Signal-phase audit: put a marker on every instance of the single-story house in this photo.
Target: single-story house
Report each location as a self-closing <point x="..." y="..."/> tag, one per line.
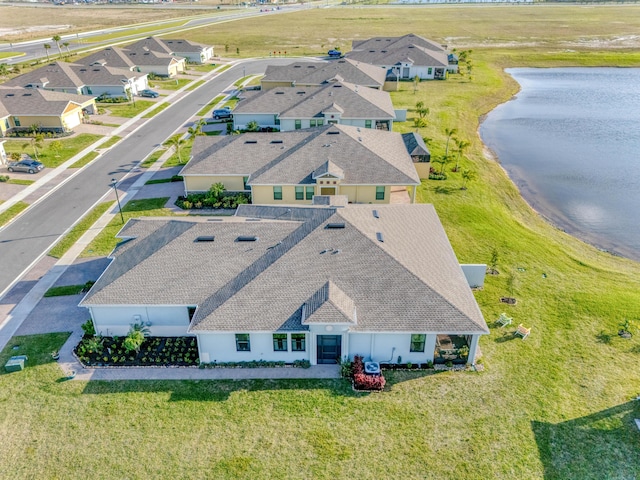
<point x="20" y="108"/>
<point x="3" y="153"/>
<point x="95" y="80"/>
<point x="419" y="152"/>
<point x="192" y="51"/>
<point x="286" y="283"/>
<point x="405" y="57"/>
<point x="151" y="56"/>
<point x="294" y="108"/>
<point x="293" y="167"/>
<point x="315" y="74"/>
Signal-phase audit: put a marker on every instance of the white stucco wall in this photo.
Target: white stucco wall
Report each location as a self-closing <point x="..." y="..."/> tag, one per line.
<point x="110" y="90"/>
<point x="386" y="347"/>
<point x="221" y="347"/>
<point x="166" y="321"/>
<point x="240" y="120"/>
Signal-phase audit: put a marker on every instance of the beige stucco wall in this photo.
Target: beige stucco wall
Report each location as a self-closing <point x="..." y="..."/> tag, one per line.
<point x="47" y="122"/>
<point x="263" y="194"/>
<point x="202" y="184"/>
<point x="3" y="126"/>
<point x="422" y="168"/>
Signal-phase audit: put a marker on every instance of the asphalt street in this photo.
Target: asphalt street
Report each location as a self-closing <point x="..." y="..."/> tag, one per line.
<point x="31" y="235"/>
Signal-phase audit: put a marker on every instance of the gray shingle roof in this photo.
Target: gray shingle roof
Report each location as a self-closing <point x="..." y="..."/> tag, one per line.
<point x="111" y="56"/>
<point x="317" y="73"/>
<point x="366" y="156"/>
<point x="182" y="46"/>
<point x="392" y="50"/>
<point x="352" y="101"/>
<point x="35" y="101"/>
<point x="415" y="144"/>
<point x="395" y="286"/>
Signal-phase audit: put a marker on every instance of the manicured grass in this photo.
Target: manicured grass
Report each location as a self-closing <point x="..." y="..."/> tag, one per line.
<point x="12" y="212"/>
<point x="151" y="159"/>
<point x="207" y="108"/>
<point x="19" y="181"/>
<point x="105" y="242"/>
<point x="50" y="158"/>
<point x="202" y="68"/>
<point x="66" y="242"/>
<point x="175" y="178"/>
<point x="195" y="85"/>
<point x="127" y="110"/>
<point x="135" y="31"/>
<point x="172" y="84"/>
<point x="85" y="160"/>
<point x="64" y="290"/>
<point x="156" y="110"/>
<point x="11" y="54"/>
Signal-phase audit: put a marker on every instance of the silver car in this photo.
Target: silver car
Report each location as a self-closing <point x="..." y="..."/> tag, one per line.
<point x="29" y="166"/>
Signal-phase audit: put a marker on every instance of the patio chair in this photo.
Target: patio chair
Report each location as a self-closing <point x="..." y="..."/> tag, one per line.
<point x="503" y="320"/>
<point x="522" y="332"/>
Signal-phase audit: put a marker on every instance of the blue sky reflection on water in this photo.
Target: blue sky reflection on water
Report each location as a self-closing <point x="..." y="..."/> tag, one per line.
<point x="570" y="140"/>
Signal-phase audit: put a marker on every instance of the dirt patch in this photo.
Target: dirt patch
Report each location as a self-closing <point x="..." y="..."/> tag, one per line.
<point x="13" y="32"/>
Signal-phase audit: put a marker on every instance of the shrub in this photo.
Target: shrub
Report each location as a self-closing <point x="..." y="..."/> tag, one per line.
<point x="88" y="328"/>
<point x="302" y="364"/>
<point x="358" y="365"/>
<point x="133" y="341"/>
<point x="4" y="178"/>
<point x="346" y="369"/>
<point x="362" y="381"/>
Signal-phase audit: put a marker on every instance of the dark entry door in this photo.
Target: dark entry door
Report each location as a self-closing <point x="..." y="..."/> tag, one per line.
<point x="329" y="348"/>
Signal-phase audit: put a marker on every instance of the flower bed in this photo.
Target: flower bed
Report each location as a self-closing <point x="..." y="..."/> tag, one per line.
<point x="202" y="200"/>
<point x="96" y="351"/>
<point x="364" y="381"/>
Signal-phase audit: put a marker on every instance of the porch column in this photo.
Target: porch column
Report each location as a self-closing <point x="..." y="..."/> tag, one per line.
<point x="345" y="346"/>
<point x="413" y="194"/>
<point x="313" y="346"/>
<point x="472" y="349"/>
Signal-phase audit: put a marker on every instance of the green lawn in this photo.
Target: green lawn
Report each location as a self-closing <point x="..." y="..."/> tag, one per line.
<point x="105" y="242"/>
<point x="66" y="242"/>
<point x="47" y="155"/>
<point x="4" y="55"/>
<point x="195" y="85"/>
<point x="207" y="108"/>
<point x="156" y="110"/>
<point x="557" y="406"/>
<point x="151" y="159"/>
<point x="127" y="110"/>
<point x="85" y="160"/>
<point x="12" y="212"/>
<point x="64" y="290"/>
<point x="20" y="181"/>
<point x="172" y="84"/>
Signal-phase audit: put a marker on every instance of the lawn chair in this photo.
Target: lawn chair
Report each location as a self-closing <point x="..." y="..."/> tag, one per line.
<point x="503" y="320"/>
<point x="522" y="332"/>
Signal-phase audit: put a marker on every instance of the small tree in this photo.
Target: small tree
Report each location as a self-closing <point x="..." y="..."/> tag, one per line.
<point x="226" y="48"/>
<point x="196" y="129"/>
<point x="46" y="47"/>
<point x="66" y="45"/>
<point x="216" y="190"/>
<point x="177" y="142"/>
<point x="511" y="284"/>
<point x="449" y="132"/>
<point x="416" y="81"/>
<point x="57" y="39"/>
<point x="467" y="176"/>
<point x="252" y="126"/>
<point x="4" y="70"/>
<point x="493" y="263"/>
<point x="56" y="147"/>
<point x="462" y="146"/>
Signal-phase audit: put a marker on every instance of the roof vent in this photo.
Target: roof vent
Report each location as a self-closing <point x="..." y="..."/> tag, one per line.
<point x="335" y="225"/>
<point x="96" y="69"/>
<point x="412" y="46"/>
<point x="341" y="61"/>
<point x="251" y="141"/>
<point x="380" y="237"/>
<point x="383" y="51"/>
<point x="333" y="132"/>
<point x="279" y="93"/>
<point x="337" y="86"/>
<point x="297" y="66"/>
<point x="335" y="252"/>
<point x="276" y="141"/>
<point x="205" y="238"/>
<point x="26" y="94"/>
<point x="301" y="93"/>
<point x="311" y="66"/>
<point x="372" y="51"/>
<point x="83" y="69"/>
<point x="376" y="214"/>
<point x="243" y="238"/>
<point x="10" y="95"/>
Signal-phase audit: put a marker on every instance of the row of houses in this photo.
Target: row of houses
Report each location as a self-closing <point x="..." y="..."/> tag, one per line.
<point x="321" y="266"/>
<point x="111" y="72"/>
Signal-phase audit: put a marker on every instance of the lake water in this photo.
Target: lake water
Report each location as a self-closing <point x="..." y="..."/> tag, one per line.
<point x="570" y="140"/>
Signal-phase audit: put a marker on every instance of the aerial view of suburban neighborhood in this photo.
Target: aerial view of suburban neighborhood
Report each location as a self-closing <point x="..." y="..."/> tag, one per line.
<point x="325" y="239"/>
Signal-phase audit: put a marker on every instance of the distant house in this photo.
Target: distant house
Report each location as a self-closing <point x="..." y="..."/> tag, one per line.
<point x="293" y="108"/>
<point x="151" y="55"/>
<point x="20" y="108"/>
<point x="3" y="153"/>
<point x="94" y="80"/>
<point x="294" y="283"/>
<point x="193" y="52"/>
<point x="405" y="57"/>
<point x="315" y="74"/>
<point x="293" y="167"/>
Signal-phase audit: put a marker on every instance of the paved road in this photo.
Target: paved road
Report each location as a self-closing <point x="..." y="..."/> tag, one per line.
<point x="31" y="235"/>
<point x="34" y="49"/>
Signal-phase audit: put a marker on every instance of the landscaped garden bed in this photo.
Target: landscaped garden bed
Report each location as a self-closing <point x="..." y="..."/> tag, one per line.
<point x="97" y="351"/>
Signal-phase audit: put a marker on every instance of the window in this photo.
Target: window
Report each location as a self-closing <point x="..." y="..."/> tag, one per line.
<point x="320" y="122"/>
<point x="298" y="342"/>
<point x="242" y="342"/>
<point x="277" y="193"/>
<point x="309" y="193"/>
<point x="276" y="120"/>
<point x="429" y="71"/>
<point x="367" y="124"/>
<point x="16" y="121"/>
<point x="244" y="182"/>
<point x="299" y="193"/>
<point x="417" y="342"/>
<point x="280" y="342"/>
<point x="298" y="124"/>
<point x="312" y="122"/>
<point x="379" y="193"/>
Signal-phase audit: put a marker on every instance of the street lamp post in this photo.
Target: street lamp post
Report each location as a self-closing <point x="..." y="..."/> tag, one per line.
<point x="244" y="72"/>
<point x="114" y="184"/>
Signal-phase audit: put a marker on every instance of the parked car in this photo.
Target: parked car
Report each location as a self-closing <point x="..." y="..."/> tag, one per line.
<point x="29" y="166"/>
<point x="222" y="113"/>
<point x="149" y="93"/>
<point x="334" y="53"/>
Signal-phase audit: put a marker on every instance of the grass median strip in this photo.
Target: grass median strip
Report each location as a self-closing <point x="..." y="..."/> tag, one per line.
<point x="195" y="85"/>
<point x="12" y="212"/>
<point x="156" y="110"/>
<point x="20" y="181"/>
<point x="78" y="230"/>
<point x="127" y="110"/>
<point x="209" y="106"/>
<point x="106" y="240"/>
<point x="66" y="290"/>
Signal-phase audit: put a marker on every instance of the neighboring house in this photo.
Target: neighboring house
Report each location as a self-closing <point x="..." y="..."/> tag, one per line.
<point x="292" y="167"/>
<point x="293" y="283"/>
<point x="315" y="74"/>
<point x="3" y="153"/>
<point x="405" y="57"/>
<point x="95" y="80"/>
<point x="150" y="55"/>
<point x="21" y="108"/>
<point x="294" y="108"/>
<point x="193" y="52"/>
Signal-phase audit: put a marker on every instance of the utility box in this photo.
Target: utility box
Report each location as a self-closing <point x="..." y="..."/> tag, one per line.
<point x="15" y="364"/>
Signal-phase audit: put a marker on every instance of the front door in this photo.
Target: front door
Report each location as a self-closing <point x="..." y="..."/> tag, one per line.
<point x="329" y="348"/>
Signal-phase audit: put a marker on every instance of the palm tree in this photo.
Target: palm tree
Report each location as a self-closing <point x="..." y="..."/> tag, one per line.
<point x="47" y="46"/>
<point x="449" y="132"/>
<point x="178" y="142"/>
<point x="4" y="69"/>
<point x="462" y="146"/>
<point x="467" y="176"/>
<point x="196" y="128"/>
<point x="66" y="45"/>
<point x="56" y="38"/>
